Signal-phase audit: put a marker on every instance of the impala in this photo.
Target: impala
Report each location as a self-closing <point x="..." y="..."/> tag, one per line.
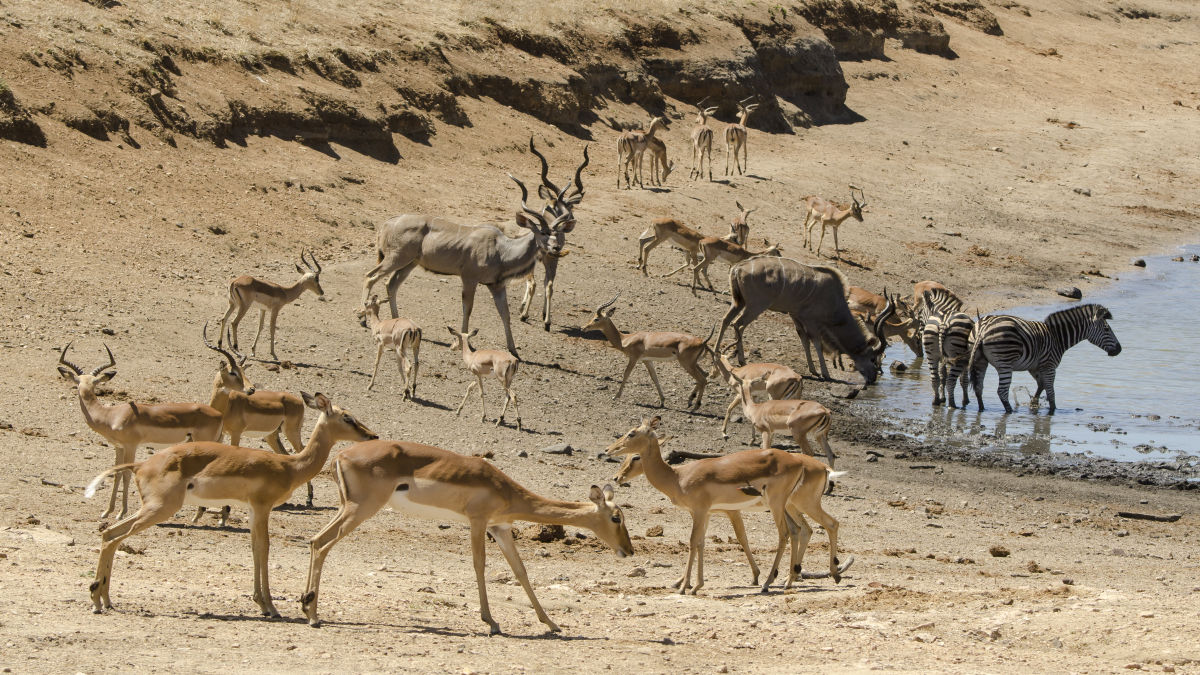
<point x="902" y="323"/>
<point x="244" y="407"/>
<point x="486" y="362"/>
<point x="631" y="147"/>
<point x="713" y="248"/>
<point x="797" y="417"/>
<point x="246" y="291"/>
<point x="399" y="335"/>
<point x="735" y="137"/>
<point x="830" y="215"/>
<point x="789" y="484"/>
<point x="476" y="254"/>
<point x="648" y="347"/>
<point x="658" y="161"/>
<point x="702" y="139"/>
<point x="433" y="483"/>
<point x="779" y="382"/>
<point x="674" y="232"/>
<point x="127" y="425"/>
<point x="216" y="474"/>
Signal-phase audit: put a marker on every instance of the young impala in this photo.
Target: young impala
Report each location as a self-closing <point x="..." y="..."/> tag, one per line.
<point x="486" y="362"/>
<point x="400" y="335"/>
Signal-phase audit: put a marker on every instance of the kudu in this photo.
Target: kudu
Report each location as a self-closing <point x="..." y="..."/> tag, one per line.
<point x="478" y="254"/>
<point x="815" y="299"/>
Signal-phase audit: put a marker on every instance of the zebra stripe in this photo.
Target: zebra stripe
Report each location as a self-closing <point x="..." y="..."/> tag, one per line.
<point x="1010" y="343"/>
<point x="938" y="301"/>
<point x="934" y="314"/>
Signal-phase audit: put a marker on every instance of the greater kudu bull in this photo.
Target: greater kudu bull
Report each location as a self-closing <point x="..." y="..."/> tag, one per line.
<point x="815" y="298"/>
<point x="478" y="254"/>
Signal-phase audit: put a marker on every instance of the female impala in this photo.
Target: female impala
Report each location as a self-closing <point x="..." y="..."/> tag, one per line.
<point x="430" y="482"/>
<point x="398" y="334"/>
<point x="789" y="484"/>
<point x="797" y="417"/>
<point x="485" y="362"/>
<point x="648" y="347"/>
<point x="779" y="382"/>
<point x="215" y="474"/>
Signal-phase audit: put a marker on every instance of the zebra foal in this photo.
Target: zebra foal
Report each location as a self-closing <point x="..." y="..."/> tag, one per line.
<point x="1009" y="343"/>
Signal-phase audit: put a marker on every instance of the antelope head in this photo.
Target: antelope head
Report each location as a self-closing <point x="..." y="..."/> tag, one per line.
<point x="702" y="114"/>
<point x="364" y="313"/>
<point x="86" y="382"/>
<point x="231" y="376"/>
<point x="602" y="315"/>
<point x="636" y="439"/>
<point x="310" y="273"/>
<point x="551" y="225"/>
<point x="745" y="108"/>
<point x="738" y="228"/>
<point x="856" y="209"/>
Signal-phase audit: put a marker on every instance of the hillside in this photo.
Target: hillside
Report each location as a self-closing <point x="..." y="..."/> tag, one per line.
<point x="151" y="152"/>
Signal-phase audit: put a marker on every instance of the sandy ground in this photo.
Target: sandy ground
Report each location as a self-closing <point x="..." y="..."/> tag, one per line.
<point x="105" y="244"/>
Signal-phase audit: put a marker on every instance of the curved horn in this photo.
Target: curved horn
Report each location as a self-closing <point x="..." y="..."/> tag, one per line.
<point x="315" y="262"/>
<point x="233" y="364"/>
<point x="609" y="303"/>
<point x="701" y="103"/>
<point x="62" y="358"/>
<point x="879" y="321"/>
<point x="524" y="192"/>
<point x="545" y="167"/>
<point x="525" y="207"/>
<point x="112" y="361"/>
<point x="578" y="194"/>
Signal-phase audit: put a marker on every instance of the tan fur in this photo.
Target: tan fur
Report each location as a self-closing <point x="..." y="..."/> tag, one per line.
<point x="246" y="292"/>
<point x="487" y="362"/>
<point x="830" y="215"/>
<point x="779" y="382"/>
<point x="400" y="335"/>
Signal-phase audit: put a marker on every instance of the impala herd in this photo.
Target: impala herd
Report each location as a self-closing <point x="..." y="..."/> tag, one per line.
<point x="434" y="483"/>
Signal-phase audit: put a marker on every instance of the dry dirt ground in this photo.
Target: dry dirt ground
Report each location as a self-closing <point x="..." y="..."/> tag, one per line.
<point x="105" y="244"/>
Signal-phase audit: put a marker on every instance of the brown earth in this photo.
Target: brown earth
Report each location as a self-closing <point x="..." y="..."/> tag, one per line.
<point x="154" y="151"/>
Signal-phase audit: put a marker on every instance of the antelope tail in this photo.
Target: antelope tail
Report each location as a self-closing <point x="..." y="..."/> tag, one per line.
<point x="90" y="490"/>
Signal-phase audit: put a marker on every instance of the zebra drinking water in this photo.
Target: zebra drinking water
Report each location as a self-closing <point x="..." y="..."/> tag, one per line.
<point x="1009" y="343"/>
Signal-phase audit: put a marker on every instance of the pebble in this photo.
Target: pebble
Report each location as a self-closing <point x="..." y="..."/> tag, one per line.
<point x="1070" y="292"/>
<point x="655" y="531"/>
<point x="1086" y="192"/>
<point x="637" y="572"/>
<point x="1139" y="263"/>
<point x="998" y="551"/>
<point x="559" y="449"/>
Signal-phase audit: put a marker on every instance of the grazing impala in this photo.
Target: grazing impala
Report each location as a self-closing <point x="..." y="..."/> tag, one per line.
<point x="127" y="425"/>
<point x="486" y="362"/>
<point x="212" y="473"/>
<point x="658" y="161"/>
<point x="648" y="347"/>
<point x="789" y="484"/>
<point x="246" y="291"/>
<point x="735" y="137"/>
<point x="476" y="254"/>
<point x="830" y="215"/>
<point x="400" y="335"/>
<point x="433" y="483"/>
<point x="702" y="139"/>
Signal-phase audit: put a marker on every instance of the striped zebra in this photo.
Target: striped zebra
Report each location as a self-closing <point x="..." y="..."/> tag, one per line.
<point x="1009" y="343"/>
<point x="946" y="341"/>
<point x="938" y="310"/>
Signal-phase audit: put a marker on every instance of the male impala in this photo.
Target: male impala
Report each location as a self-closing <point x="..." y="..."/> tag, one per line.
<point x="486" y="362"/>
<point x="127" y="425"/>
<point x="476" y="254"/>
<point x="789" y="484"/>
<point x="779" y="382"/>
<point x="246" y="291"/>
<point x="631" y="147"/>
<point x="735" y="138"/>
<point x="830" y="215"/>
<point x="400" y="335"/>
<point x="714" y="248"/>
<point x="648" y="347"/>
<point x="245" y="408"/>
<point x="433" y="483"/>
<point x="215" y="474"/>
<point x="702" y="139"/>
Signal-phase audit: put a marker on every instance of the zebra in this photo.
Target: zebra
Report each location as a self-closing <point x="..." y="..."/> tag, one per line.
<point x="1009" y="343"/>
<point x="946" y="341"/>
<point x="938" y="310"/>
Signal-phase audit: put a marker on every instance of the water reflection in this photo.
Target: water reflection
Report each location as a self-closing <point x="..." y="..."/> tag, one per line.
<point x="1140" y="405"/>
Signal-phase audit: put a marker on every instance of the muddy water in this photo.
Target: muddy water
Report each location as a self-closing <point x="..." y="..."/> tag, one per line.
<point x="1143" y="404"/>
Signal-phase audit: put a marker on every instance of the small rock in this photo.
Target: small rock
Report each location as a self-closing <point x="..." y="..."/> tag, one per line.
<point x="1139" y="263"/>
<point x="899" y="366"/>
<point x="1071" y="292"/>
<point x="487" y="454"/>
<point x="425" y="589"/>
<point x="559" y="449"/>
<point x="549" y="533"/>
<point x="217" y="229"/>
<point x="1122" y="533"/>
<point x="1034" y="568"/>
<point x="924" y="637"/>
<point x="443" y="526"/>
<point x="522" y="454"/>
<point x="637" y="572"/>
<point x="655" y="531"/>
<point x="1147" y="615"/>
<point x="725" y="669"/>
<point x="999" y="551"/>
<point x="1177" y="258"/>
<point x="1068" y="582"/>
<point x="108" y="331"/>
<point x="1086" y="192"/>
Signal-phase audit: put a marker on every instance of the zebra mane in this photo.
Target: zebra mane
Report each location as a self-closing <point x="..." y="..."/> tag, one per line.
<point x="1090" y="310"/>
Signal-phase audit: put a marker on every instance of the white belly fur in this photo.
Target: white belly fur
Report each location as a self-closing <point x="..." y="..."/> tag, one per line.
<point x="191" y="500"/>
<point x="751" y="504"/>
<point x="403" y="501"/>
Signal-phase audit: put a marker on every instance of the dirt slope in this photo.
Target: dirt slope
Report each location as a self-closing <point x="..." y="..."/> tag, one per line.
<point x="154" y="152"/>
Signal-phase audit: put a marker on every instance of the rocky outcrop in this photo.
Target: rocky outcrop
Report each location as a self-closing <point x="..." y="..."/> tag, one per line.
<point x="969" y="12"/>
<point x="857" y="29"/>
<point x="15" y="122"/>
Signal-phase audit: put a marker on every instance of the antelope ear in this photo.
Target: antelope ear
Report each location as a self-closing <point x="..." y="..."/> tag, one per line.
<point x="546" y="193"/>
<point x="106" y="376"/>
<point x="596" y="495"/>
<point x="68" y="374"/>
<point x="608" y="492"/>
<point x="529" y="223"/>
<point x="452" y="331"/>
<point x="299" y="270"/>
<point x="317" y="401"/>
<point x="473" y="333"/>
<point x="654" y="422"/>
<point x="568" y="226"/>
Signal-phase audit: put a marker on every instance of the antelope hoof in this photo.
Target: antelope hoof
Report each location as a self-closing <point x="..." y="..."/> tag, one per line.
<point x="553" y="627"/>
<point x="494" y="628"/>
